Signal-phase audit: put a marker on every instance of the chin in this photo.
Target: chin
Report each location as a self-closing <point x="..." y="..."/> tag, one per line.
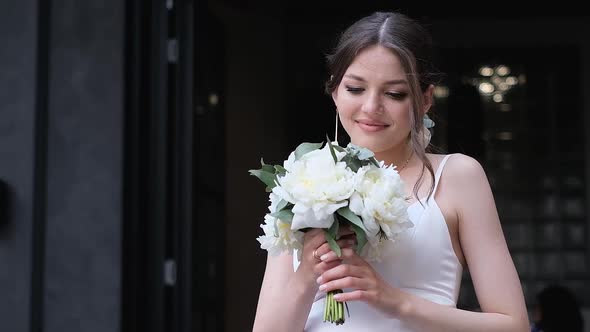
<point x="371" y="145"/>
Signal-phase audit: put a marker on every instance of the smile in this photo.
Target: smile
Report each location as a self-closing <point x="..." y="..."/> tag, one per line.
<point x="371" y="126"/>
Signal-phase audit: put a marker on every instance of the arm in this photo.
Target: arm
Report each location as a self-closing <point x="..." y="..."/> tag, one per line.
<point x="286" y="296"/>
<point x="495" y="279"/>
<point x="282" y="288"/>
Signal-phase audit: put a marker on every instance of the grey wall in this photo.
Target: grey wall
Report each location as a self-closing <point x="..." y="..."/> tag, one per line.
<point x="84" y="166"/>
<point x="60" y="252"/>
<point x="18" y="32"/>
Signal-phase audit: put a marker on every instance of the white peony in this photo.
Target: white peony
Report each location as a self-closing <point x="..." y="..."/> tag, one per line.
<point x="316" y="186"/>
<point x="278" y="236"/>
<point x="379" y="200"/>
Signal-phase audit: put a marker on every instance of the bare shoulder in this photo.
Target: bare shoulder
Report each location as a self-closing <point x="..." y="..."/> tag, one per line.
<point x="467" y="186"/>
<point x="463" y="180"/>
<point x="463" y="169"/>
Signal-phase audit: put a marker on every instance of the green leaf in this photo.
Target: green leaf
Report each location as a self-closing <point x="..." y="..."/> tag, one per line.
<point x="304" y="148"/>
<point x="374" y="162"/>
<point x="361" y="238"/>
<point x="365" y="154"/>
<point x="350" y="216"/>
<point x="333" y="230"/>
<point x="352" y="163"/>
<point x="338" y="148"/>
<point x="332" y="152"/>
<point x="267" y="178"/>
<point x="332" y="242"/>
<point x="280" y="170"/>
<point x="282" y="204"/>
<point x="268" y="168"/>
<point x="284" y="215"/>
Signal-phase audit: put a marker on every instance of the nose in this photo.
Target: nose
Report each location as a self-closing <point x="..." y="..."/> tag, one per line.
<point x="372" y="103"/>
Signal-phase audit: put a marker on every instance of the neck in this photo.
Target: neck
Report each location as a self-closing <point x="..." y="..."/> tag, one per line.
<point x="398" y="156"/>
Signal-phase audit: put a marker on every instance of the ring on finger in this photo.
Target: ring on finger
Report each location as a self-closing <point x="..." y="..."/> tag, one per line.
<point x="315" y="255"/>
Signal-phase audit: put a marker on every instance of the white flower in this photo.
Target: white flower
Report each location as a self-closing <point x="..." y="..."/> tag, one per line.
<point x="373" y="249"/>
<point x="279" y="237"/>
<point x="316" y="186"/>
<point x="274" y="201"/>
<point x="379" y="200"/>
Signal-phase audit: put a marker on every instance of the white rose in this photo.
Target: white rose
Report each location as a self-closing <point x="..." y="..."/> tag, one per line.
<point x="316" y="186"/>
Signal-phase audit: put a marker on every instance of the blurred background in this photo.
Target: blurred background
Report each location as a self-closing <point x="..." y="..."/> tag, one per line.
<point x="127" y="129"/>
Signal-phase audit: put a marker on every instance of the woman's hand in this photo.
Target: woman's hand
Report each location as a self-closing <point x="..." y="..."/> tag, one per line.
<point x="315" y="246"/>
<point x="353" y="272"/>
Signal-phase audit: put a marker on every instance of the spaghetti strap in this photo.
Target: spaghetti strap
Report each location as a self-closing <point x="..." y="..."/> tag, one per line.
<point x="439" y="172"/>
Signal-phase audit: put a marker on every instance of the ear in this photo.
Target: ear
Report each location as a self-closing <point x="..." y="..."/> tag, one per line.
<point x="428" y="99"/>
<point x="335" y="97"/>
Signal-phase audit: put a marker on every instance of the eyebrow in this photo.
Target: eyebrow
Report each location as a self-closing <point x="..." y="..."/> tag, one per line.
<point x="391" y="82"/>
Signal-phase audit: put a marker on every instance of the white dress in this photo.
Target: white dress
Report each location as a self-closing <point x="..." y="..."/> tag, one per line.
<point x="422" y="262"/>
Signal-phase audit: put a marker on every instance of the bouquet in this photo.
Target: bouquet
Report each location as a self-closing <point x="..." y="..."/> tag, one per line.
<point x="328" y="186"/>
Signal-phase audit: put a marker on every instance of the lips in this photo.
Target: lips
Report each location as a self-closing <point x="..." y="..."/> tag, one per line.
<point x="371" y="125"/>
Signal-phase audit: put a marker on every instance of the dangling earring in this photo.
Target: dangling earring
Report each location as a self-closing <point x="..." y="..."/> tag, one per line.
<point x="336" y="128"/>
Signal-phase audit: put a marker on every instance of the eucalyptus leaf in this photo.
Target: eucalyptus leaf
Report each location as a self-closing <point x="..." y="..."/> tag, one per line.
<point x="365" y="154"/>
<point x="304" y="148"/>
<point x="266" y="177"/>
<point x="350" y="216"/>
<point x="282" y="204"/>
<point x="332" y="243"/>
<point x="352" y="163"/>
<point x="283" y="215"/>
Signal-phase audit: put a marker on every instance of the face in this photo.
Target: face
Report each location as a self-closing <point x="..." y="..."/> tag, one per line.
<point x="373" y="101"/>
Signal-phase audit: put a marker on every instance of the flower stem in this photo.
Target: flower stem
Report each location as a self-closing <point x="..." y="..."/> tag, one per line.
<point x="334" y="310"/>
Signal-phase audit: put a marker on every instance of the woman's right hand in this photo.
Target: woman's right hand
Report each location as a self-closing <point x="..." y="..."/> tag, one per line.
<point x="315" y="246"/>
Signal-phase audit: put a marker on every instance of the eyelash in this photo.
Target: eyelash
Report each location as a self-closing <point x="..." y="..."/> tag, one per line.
<point x="392" y="95"/>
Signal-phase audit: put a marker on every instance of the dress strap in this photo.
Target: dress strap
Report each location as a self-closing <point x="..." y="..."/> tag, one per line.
<point x="439" y="172"/>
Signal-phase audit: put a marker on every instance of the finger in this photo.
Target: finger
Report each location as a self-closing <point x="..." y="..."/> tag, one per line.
<point x="343" y="271"/>
<point x="313" y="241"/>
<point x="330" y="255"/>
<point x="346" y="282"/>
<point x="350" y="254"/>
<point x="357" y="295"/>
<point x="326" y="251"/>
<point x="322" y="267"/>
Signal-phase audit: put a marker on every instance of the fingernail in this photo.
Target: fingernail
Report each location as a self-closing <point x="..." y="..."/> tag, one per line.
<point x="319" y="280"/>
<point x="322" y="287"/>
<point x="324" y="257"/>
<point x="337" y="296"/>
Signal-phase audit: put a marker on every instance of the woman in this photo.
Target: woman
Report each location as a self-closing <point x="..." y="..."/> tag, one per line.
<point x="382" y="86"/>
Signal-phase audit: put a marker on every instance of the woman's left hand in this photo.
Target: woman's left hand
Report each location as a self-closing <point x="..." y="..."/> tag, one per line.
<point x="366" y="284"/>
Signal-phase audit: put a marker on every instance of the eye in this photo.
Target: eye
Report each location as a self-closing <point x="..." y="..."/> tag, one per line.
<point x="397" y="95"/>
<point x="354" y="90"/>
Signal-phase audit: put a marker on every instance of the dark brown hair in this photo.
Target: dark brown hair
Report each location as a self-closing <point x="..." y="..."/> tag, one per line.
<point x="412" y="43"/>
